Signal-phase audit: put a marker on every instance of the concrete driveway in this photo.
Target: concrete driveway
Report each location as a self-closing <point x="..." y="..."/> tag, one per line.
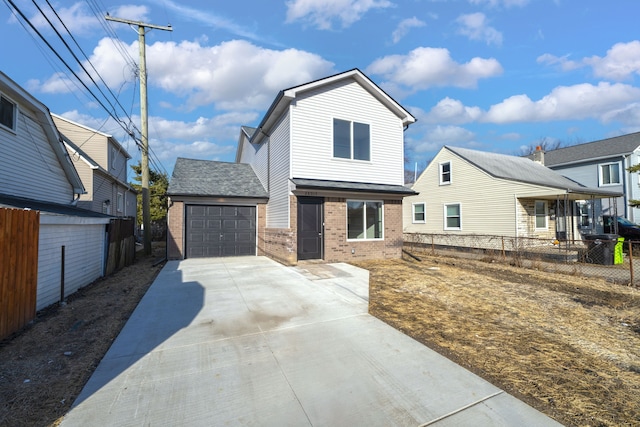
<point x="247" y="341"/>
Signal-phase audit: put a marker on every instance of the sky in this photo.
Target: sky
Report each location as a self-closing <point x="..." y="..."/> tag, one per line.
<point x="491" y="75"/>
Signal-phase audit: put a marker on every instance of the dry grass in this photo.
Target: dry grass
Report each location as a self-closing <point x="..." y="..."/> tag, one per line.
<point x="566" y="345"/>
<point x="44" y="367"/>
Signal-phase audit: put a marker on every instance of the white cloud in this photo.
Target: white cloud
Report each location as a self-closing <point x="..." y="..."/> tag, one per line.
<point x="621" y="62"/>
<point x="437" y="136"/>
<point x="564" y="103"/>
<point x="474" y="26"/>
<point x="404" y="27"/>
<point x="322" y="13"/>
<point x="426" y="67"/>
<point x="495" y="3"/>
<point x="563" y="61"/>
<point x="233" y="75"/>
<point x="77" y="19"/>
<point x="452" y="111"/>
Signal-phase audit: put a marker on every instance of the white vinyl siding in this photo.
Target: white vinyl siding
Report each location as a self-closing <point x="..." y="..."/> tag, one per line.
<point x="312" y="136"/>
<point x="278" y="205"/>
<point x="489" y="205"/>
<point x="84" y="259"/>
<point x="30" y="167"/>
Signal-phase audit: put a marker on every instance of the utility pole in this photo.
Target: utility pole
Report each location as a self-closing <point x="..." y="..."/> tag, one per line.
<point x="144" y="162"/>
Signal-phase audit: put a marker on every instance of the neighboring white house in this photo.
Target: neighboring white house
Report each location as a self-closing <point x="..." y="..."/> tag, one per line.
<point x="101" y="162"/>
<point x="330" y="154"/>
<point x="465" y="191"/>
<point x="37" y="173"/>
<point x="603" y="164"/>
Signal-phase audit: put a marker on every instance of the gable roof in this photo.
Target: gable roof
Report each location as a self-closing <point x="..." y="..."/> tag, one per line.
<point x="521" y="169"/>
<point x="605" y="148"/>
<point x="113" y="140"/>
<point x="214" y="179"/>
<point x="284" y="98"/>
<point x="17" y="93"/>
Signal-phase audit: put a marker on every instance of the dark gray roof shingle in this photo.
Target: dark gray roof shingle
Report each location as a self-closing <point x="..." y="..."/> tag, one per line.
<point x="610" y="147"/>
<point x="522" y="169"/>
<point x="214" y="179"/>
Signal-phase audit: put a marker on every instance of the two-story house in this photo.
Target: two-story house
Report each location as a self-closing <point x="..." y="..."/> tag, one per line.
<point x="101" y="162"/>
<point x="36" y="173"/>
<point x="330" y="156"/>
<point x="602" y="164"/>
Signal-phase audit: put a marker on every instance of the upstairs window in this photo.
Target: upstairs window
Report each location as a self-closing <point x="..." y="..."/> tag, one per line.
<point x="445" y="173"/>
<point x="351" y="140"/>
<point x="610" y="174"/>
<point x="7" y="113"/>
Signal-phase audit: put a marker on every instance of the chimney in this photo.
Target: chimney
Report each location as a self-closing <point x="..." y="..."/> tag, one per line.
<point x="538" y="155"/>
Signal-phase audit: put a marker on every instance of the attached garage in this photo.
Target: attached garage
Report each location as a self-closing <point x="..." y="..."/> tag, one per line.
<point x="219" y="230"/>
<point x="215" y="209"/>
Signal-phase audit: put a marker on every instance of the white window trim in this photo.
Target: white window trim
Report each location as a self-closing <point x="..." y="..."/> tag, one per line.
<point x="375" y="239"/>
<point x="413" y="212"/>
<point x="546" y="215"/>
<point x="14" y="125"/>
<point x="600" y="166"/>
<point x="440" y="165"/>
<point x="445" y="216"/>
<point x="351" y="149"/>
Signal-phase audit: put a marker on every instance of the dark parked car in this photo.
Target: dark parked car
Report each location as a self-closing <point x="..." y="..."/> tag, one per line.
<point x="626" y="228"/>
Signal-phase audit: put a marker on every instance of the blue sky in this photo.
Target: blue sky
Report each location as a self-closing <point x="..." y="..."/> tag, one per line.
<point x="492" y="75"/>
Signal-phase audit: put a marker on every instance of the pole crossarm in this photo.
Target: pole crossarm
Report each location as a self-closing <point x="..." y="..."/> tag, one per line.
<point x="138" y="23"/>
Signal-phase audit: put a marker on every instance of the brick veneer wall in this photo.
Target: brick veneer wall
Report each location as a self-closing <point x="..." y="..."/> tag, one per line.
<point x="280" y="243"/>
<point x="338" y="249"/>
<point x="175" y="231"/>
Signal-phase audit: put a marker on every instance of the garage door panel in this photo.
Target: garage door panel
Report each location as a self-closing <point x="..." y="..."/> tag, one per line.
<point x="218" y="230"/>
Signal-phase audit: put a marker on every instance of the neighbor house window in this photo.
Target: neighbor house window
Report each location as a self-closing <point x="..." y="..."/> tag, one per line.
<point x="452" y="217"/>
<point x="114" y="159"/>
<point x="351" y="140"/>
<point x="445" y="173"/>
<point x="584" y="214"/>
<point x="610" y="174"/>
<point x="7" y="113"/>
<point x="540" y="211"/>
<point x="364" y="220"/>
<point x="419" y="212"/>
<point x="120" y="204"/>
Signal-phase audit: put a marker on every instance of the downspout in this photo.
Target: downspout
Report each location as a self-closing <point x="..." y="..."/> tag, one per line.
<point x="515" y="207"/>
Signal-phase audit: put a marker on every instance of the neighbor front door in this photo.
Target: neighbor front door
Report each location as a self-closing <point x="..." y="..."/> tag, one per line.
<point x="310" y="227"/>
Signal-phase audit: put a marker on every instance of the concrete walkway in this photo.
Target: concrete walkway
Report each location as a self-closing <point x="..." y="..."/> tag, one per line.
<point x="249" y="342"/>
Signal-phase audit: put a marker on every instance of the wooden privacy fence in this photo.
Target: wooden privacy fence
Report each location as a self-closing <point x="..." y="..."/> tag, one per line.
<point x="121" y="251"/>
<point x="18" y="268"/>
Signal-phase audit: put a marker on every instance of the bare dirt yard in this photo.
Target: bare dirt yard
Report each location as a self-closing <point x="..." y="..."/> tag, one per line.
<point x="44" y="367"/>
<point x="568" y="346"/>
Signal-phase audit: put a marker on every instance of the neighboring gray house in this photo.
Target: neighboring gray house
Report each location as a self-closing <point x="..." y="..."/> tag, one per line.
<point x="37" y="173"/>
<point x="602" y="164"/>
<point x="102" y="165"/>
<point x="465" y="191"/>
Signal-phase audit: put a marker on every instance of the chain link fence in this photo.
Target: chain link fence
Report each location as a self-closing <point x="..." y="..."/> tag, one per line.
<point x="604" y="256"/>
